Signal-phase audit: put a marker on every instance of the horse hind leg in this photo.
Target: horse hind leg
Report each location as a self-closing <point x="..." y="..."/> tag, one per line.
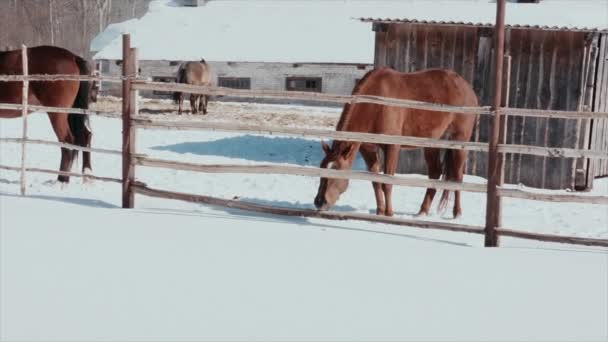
<point x="433" y="163"/>
<point x="390" y="167"/>
<point x="193" y="104"/>
<point x="59" y="121"/>
<point x="203" y="105"/>
<point x="86" y="157"/>
<point x="459" y="158"/>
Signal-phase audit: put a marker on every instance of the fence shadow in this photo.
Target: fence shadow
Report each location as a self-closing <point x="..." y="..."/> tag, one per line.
<point x="239" y="215"/>
<point x="86" y="202"/>
<point x="258" y="148"/>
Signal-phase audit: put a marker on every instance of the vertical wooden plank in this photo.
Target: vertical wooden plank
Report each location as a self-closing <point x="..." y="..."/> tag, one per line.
<point x="405" y="44"/>
<point x="517" y="41"/>
<point x="24" y="102"/>
<point x="524" y="88"/>
<point x="548" y="95"/>
<point x="530" y="164"/>
<point x="599" y="141"/>
<point x="127" y="169"/>
<point x="380" y="47"/>
<point x="434" y="43"/>
<point x="481" y="85"/>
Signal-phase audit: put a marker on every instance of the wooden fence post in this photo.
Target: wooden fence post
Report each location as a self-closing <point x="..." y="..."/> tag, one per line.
<point x="134" y="111"/>
<point x="24" y="102"/>
<point x="127" y="169"/>
<point x="493" y="205"/>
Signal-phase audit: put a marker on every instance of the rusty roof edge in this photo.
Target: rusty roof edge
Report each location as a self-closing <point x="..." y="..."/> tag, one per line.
<point x="462" y="23"/>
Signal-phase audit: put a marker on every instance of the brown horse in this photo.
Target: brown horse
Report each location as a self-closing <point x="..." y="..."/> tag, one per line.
<point x="69" y="128"/>
<point x="194" y="73"/>
<point x="433" y="85"/>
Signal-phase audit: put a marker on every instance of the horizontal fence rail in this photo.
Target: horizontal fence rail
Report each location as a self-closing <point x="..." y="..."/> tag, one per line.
<point x="62" y="173"/>
<point x="52" y="110"/>
<point x="549" y="113"/>
<point x="60" y="144"/>
<point x="300" y="95"/>
<point x="535" y="196"/>
<point x="312" y="132"/>
<point x="552" y="238"/>
<point x="555" y="152"/>
<point x="275" y="210"/>
<point x="57" y="77"/>
<point x="370" y="138"/>
<point x="312" y="172"/>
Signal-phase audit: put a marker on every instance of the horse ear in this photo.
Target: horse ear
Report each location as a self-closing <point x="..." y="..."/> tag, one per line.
<point x="347" y="150"/>
<point x="325" y="147"/>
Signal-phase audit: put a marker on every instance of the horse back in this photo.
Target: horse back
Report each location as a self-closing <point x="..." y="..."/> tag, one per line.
<point x="195" y="73"/>
<point x="431" y="85"/>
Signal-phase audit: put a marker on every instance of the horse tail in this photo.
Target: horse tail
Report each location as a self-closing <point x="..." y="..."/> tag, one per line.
<point x="79" y="124"/>
<point x="181" y="78"/>
<point x="448" y="169"/>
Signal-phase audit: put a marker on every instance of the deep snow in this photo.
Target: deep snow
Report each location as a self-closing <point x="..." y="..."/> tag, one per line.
<point x="74" y="267"/>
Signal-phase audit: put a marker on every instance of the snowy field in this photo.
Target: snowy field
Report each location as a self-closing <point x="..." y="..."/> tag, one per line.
<point x="75" y="267"/>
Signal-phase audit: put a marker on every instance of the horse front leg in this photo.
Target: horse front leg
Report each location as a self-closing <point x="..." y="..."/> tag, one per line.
<point x="391" y="156"/>
<point x="372" y="160"/>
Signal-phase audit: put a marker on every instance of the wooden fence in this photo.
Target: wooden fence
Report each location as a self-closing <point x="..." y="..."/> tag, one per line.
<point x="130" y="159"/>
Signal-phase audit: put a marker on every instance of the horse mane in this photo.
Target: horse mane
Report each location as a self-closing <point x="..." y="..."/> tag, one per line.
<point x="346" y="112"/>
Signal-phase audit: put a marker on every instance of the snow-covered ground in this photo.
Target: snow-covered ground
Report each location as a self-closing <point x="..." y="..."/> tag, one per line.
<point x="75" y="267"/>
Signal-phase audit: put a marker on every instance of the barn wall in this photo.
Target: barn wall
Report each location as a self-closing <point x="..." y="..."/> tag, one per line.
<point x="599" y="137"/>
<point x="70" y="24"/>
<point x="337" y="78"/>
<point x="547" y="73"/>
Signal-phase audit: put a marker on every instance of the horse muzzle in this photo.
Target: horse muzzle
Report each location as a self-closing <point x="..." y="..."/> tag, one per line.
<point x="321" y="203"/>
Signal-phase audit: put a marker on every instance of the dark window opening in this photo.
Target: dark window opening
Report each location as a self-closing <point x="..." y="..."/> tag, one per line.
<point x="234" y="82"/>
<point x="313" y="84"/>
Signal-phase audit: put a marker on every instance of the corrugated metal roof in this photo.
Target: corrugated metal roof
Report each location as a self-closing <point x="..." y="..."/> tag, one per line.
<point x="490" y="25"/>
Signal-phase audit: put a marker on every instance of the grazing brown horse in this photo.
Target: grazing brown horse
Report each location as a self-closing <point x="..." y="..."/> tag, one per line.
<point x="433" y="85"/>
<point x="194" y="73"/>
<point x="69" y="128"/>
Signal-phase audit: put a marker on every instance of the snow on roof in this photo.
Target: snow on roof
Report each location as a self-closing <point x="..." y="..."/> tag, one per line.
<point x="315" y="31"/>
<point x="580" y="15"/>
<point x="110" y="33"/>
<point x="250" y="31"/>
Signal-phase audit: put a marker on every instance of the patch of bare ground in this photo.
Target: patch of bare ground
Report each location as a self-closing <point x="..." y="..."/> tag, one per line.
<point x="241" y="112"/>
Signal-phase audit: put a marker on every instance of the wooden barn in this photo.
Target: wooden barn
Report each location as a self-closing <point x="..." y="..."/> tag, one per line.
<point x="553" y="65"/>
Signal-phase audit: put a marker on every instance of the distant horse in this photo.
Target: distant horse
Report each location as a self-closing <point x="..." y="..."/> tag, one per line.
<point x="194" y="73"/>
<point x="433" y="85"/>
<point x="69" y="128"/>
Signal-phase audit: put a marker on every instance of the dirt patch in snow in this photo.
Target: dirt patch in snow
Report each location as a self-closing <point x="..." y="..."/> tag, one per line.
<point x="241" y="112"/>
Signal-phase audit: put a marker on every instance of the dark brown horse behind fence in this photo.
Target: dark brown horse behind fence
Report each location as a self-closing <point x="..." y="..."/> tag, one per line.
<point x="69" y="128"/>
<point x="194" y="73"/>
<point x="434" y="86"/>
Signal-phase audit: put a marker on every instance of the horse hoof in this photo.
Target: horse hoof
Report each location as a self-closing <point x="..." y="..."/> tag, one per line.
<point x="86" y="179"/>
<point x="422" y="213"/>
